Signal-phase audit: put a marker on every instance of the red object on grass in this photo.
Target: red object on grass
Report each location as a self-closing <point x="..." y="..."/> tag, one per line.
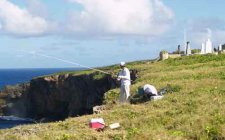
<point x="97" y="123"/>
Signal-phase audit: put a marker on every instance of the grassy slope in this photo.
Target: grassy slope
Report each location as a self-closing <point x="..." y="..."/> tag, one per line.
<point x="196" y="110"/>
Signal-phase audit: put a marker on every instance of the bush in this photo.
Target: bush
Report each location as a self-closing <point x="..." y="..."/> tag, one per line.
<point x="194" y="51"/>
<point x="163" y="52"/>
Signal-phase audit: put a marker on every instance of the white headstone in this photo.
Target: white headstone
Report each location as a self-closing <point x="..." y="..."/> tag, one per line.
<point x="203" y="48"/>
<point x="188" y="49"/>
<point x="208" y="46"/>
<point x="220" y="47"/>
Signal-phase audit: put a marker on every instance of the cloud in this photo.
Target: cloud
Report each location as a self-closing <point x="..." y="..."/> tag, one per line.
<point x="20" y="22"/>
<point x="120" y="17"/>
<point x="37" y="8"/>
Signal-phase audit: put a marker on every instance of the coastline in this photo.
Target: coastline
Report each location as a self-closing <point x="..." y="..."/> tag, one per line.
<point x="13" y="76"/>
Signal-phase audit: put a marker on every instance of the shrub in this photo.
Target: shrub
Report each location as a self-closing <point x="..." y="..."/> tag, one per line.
<point x="194" y="51"/>
<point x="163" y="52"/>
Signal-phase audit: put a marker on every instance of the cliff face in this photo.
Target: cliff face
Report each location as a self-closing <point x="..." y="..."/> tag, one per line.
<point x="56" y="97"/>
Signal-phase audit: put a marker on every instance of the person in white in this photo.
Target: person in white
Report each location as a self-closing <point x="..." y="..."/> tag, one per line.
<point x="150" y="90"/>
<point x="124" y="77"/>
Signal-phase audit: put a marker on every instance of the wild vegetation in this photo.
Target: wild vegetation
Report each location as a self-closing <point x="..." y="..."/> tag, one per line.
<point x="193" y="109"/>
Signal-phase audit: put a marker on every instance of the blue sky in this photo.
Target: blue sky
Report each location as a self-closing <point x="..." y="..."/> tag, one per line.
<point x="102" y="32"/>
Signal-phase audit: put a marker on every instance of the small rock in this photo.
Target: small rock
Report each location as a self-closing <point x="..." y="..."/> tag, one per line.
<point x="99" y="109"/>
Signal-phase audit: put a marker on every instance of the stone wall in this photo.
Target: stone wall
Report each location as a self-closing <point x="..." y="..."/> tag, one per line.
<point x="174" y="55"/>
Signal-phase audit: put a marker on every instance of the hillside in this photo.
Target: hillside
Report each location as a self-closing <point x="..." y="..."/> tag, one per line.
<point x="193" y="109"/>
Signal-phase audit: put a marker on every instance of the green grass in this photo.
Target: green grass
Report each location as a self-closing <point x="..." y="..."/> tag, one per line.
<point x="193" y="109"/>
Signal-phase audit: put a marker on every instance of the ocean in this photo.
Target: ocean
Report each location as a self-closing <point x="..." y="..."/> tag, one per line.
<point x="16" y="76"/>
<point x="11" y="121"/>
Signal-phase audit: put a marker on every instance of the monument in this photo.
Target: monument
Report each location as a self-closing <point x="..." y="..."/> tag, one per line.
<point x="178" y="49"/>
<point x="188" y="49"/>
<point x="207" y="47"/>
<point x="203" y="48"/>
<point x="220" y="47"/>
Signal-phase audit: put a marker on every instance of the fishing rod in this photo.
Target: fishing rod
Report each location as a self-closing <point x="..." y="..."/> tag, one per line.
<point x="67" y="61"/>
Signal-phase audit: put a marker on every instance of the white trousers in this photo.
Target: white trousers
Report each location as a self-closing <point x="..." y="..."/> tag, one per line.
<point x="124" y="93"/>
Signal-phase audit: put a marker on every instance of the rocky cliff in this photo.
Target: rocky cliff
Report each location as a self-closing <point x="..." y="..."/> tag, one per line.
<point x="56" y="97"/>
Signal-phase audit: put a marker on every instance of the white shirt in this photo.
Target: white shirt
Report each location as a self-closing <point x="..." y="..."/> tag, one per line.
<point x="124" y="75"/>
<point x="150" y="89"/>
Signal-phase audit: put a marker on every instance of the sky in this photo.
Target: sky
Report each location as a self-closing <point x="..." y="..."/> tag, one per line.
<point x="95" y="33"/>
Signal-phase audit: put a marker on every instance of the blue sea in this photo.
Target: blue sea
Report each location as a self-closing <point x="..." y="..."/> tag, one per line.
<point x="11" y="121"/>
<point x="15" y="76"/>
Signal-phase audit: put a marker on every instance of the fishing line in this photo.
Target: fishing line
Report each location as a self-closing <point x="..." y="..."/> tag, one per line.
<point x="66" y="61"/>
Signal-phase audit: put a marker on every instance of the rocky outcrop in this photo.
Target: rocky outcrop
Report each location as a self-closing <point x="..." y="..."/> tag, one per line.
<point x="56" y="97"/>
<point x="13" y="99"/>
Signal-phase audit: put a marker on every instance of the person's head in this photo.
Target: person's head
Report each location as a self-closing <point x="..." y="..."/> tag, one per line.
<point x="122" y="64"/>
